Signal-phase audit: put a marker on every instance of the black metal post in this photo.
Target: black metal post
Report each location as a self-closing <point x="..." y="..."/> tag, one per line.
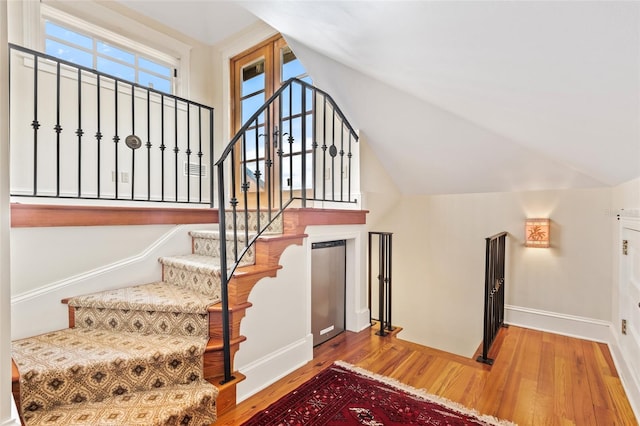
<point x="224" y="281"/>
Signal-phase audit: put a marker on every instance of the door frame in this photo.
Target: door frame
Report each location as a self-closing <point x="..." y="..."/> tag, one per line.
<point x="631" y="380"/>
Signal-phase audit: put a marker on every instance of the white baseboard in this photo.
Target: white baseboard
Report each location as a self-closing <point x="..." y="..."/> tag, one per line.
<point x="553" y="322"/>
<point x="267" y="370"/>
<point x="363" y="319"/>
<point x="583" y="328"/>
<point x="629" y="381"/>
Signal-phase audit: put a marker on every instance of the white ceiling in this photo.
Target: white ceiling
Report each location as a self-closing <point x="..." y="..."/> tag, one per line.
<point x="475" y="96"/>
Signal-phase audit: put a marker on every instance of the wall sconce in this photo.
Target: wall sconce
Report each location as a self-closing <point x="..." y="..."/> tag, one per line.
<point x="536" y="232"/>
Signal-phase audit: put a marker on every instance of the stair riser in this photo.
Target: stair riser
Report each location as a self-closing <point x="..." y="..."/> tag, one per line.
<point x="252" y="222"/>
<point x="214" y="363"/>
<point x="240" y="286"/>
<point x="205" y="283"/>
<point x="143" y="322"/>
<point x="269" y="252"/>
<point x="215" y="324"/>
<point x="211" y="247"/>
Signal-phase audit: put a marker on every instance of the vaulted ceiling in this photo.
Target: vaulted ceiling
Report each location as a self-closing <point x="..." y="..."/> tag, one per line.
<point x="458" y="97"/>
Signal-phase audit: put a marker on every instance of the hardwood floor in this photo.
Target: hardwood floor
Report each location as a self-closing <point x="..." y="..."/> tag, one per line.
<point x="538" y="378"/>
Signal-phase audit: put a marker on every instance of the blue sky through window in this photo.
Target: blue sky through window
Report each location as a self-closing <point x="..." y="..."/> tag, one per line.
<point x="90" y="52"/>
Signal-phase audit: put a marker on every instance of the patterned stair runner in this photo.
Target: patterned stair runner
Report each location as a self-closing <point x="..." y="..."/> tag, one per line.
<point x="177" y="405"/>
<point x="149" y="308"/>
<point x="207" y="243"/>
<point x="135" y="354"/>
<point x="79" y="365"/>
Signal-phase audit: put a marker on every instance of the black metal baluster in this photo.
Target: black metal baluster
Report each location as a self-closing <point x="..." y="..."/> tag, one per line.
<point x="268" y="161"/>
<point x="314" y="146"/>
<point x="58" y="129"/>
<point x="303" y="160"/>
<point x="381" y="288"/>
<point x="162" y="147"/>
<point x="116" y="138"/>
<point x="280" y="152"/>
<point x="211" y="154"/>
<point x="188" y="152"/>
<point x="290" y="139"/>
<point x="233" y="202"/>
<point x="133" y="132"/>
<point x="79" y="132"/>
<point x="98" y="132"/>
<point x="349" y="155"/>
<point x="245" y="187"/>
<point x="148" y="145"/>
<point x="257" y="175"/>
<point x="176" y="150"/>
<point x="342" y="173"/>
<point x="332" y="153"/>
<point x="388" y="259"/>
<point x="35" y="124"/>
<point x="324" y="149"/>
<point x="200" y="154"/>
<point x="370" y="275"/>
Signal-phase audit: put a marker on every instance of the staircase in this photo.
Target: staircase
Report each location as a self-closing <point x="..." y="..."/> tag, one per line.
<point x="162" y="352"/>
<point x="151" y="354"/>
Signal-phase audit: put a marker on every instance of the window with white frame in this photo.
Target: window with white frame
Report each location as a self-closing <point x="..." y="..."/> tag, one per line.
<point x="147" y="68"/>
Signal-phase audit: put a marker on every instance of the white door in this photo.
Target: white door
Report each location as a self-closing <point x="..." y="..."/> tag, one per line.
<point x="630" y="293"/>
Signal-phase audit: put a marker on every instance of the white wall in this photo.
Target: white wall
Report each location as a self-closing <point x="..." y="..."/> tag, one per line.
<point x="107" y="257"/>
<point x="278" y="325"/>
<point x="438" y="260"/>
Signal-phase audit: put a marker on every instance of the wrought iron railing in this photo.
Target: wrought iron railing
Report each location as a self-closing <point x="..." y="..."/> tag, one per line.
<point x="68" y="123"/>
<point x="297" y="147"/>
<point x="383" y="245"/>
<point x="494" y="287"/>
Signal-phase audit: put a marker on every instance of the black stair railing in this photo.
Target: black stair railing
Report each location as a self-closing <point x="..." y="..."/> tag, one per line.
<point x="494" y="291"/>
<point x="384" y="244"/>
<point x="80" y="133"/>
<point x="297" y="147"/>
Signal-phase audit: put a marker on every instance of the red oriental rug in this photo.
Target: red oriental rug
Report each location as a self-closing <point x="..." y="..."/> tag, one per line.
<point x="347" y="395"/>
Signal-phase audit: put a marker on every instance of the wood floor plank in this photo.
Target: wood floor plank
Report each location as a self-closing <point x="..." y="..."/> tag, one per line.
<point x="537" y="378"/>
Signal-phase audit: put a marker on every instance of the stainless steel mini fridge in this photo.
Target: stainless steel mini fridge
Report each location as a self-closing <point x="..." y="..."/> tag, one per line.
<point x="328" y="274"/>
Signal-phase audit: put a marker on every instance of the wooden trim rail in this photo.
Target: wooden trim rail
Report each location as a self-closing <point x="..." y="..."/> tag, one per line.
<point x="40" y="215"/>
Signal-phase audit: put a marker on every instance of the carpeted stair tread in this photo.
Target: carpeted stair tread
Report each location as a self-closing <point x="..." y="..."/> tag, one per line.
<point x="159" y="296"/>
<point x="193" y="263"/>
<point x="192" y="404"/>
<point x="84" y="365"/>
